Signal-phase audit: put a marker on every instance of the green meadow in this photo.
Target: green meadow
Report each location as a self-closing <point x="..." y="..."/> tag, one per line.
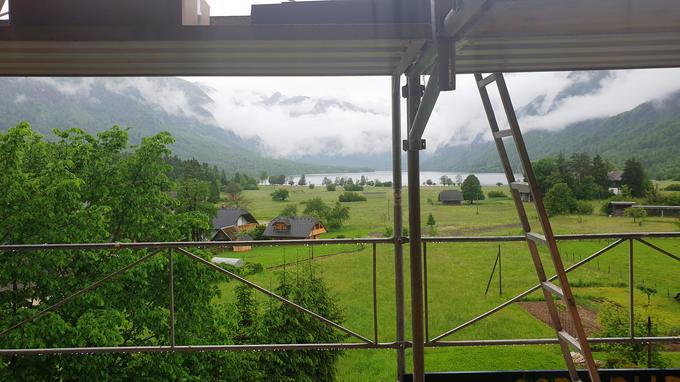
<point x="458" y="274"/>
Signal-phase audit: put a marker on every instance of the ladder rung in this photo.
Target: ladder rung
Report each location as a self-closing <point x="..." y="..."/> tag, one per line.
<point x="487" y="80"/>
<point x="563" y="335"/>
<point x="554" y="289"/>
<point x="520" y="186"/>
<point x="537" y="238"/>
<point x="502" y="134"/>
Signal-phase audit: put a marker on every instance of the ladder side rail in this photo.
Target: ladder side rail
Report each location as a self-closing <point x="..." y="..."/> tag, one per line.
<point x="521" y="211"/>
<point x="545" y="223"/>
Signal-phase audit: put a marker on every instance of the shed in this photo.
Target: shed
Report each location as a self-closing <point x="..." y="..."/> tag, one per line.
<point x="618" y="208"/>
<point x="232" y="233"/>
<point x="660" y="210"/>
<point x="294" y="227"/>
<point x="451" y="197"/>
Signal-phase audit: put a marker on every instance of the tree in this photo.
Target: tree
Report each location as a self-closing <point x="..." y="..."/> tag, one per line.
<point x="637" y="214"/>
<point x="76" y="187"/>
<point x="330" y="187"/>
<point x="600" y="173"/>
<point x="302" y="181"/>
<point x="648" y="290"/>
<point x="234" y="196"/>
<point x="635" y="178"/>
<point x="289" y="210"/>
<point x="472" y="189"/>
<point x="459" y="180"/>
<point x="337" y="216"/>
<point x="444" y="180"/>
<point x="431" y="223"/>
<point x="193" y="196"/>
<point x="316" y="207"/>
<point x="287" y="325"/>
<point x="214" y="191"/>
<point x="560" y="200"/>
<point x="429" y="182"/>
<point x="263" y="176"/>
<point x="615" y="323"/>
<point x="279" y="195"/>
<point x="277" y="179"/>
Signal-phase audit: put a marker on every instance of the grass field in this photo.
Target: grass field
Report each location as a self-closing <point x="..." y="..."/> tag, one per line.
<point x="457" y="276"/>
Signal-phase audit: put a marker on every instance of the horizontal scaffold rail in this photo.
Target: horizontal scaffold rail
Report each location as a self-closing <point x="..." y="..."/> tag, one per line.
<point x="438" y="341"/>
<point x="369" y="240"/>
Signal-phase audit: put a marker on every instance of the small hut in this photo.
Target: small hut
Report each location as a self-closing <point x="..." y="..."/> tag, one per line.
<point x="618" y="208"/>
<point x="451" y="197"/>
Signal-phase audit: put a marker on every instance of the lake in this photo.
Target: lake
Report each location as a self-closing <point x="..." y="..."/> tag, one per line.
<point x="485" y="178"/>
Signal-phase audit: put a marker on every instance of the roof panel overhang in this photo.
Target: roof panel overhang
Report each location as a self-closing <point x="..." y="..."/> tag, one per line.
<point x="220" y="50"/>
<point x="512" y="36"/>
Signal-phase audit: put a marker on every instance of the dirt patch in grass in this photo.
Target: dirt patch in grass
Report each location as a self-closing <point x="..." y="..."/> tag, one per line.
<point x="539" y="309"/>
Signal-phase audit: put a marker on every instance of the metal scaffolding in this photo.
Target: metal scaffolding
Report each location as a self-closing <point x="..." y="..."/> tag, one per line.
<point x="466" y="36"/>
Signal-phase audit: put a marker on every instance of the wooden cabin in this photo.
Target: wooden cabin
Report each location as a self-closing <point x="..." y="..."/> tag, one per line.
<point x="294" y="227"/>
<point x="230" y="224"/>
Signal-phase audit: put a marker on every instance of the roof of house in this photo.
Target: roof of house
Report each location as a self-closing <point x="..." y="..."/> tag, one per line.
<point x="615" y="176"/>
<point x="229" y="217"/>
<point x="451" y="196"/>
<point x="230" y="233"/>
<point x="297" y="227"/>
<point x="670" y="208"/>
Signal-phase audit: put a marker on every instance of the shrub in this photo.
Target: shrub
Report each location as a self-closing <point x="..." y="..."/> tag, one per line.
<point x="388" y="232"/>
<point x="615" y="323"/>
<point x="637" y="214"/>
<point x="560" y="200"/>
<point x="311" y="186"/>
<point x="330" y="187"/>
<point x="497" y="194"/>
<point x="351" y="197"/>
<point x="279" y="195"/>
<point x="289" y="210"/>
<point x="584" y="208"/>
<point x="251" y="269"/>
<point x="353" y="187"/>
<point x="256" y="233"/>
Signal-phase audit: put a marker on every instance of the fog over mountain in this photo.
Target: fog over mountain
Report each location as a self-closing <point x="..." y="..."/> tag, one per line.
<point x="327" y="124"/>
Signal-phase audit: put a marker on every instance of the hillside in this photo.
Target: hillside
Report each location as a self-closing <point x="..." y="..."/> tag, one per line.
<point x="650" y="132"/>
<point x="144" y="105"/>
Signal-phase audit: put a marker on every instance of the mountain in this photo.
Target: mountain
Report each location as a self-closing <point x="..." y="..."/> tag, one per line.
<point x="649" y="132"/>
<point x="146" y="106"/>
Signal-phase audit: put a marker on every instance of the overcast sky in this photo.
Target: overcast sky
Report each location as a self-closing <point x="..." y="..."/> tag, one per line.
<point x="458" y="118"/>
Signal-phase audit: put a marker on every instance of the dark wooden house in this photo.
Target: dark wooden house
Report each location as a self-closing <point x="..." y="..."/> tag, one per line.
<point x="230" y="224"/>
<point x="294" y="227"/>
<point x="618" y="208"/>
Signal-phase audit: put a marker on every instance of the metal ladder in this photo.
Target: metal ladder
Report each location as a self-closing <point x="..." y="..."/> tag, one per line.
<point x="534" y="238"/>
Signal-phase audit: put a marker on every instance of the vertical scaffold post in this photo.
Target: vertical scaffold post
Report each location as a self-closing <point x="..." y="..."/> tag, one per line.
<point x="171" y="289"/>
<point x="398" y="224"/>
<point x="415" y="235"/>
<point x="631" y="290"/>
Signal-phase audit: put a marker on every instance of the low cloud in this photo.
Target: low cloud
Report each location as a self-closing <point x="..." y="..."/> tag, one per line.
<point x="291" y="130"/>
